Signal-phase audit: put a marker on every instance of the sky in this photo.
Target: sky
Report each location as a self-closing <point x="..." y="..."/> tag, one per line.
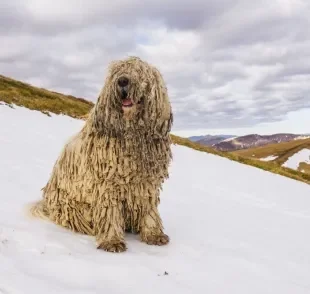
<point x="231" y="66"/>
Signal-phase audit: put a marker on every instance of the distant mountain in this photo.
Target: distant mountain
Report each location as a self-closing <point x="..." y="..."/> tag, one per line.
<point x="233" y="143"/>
<point x="195" y="138"/>
<point x="254" y="140"/>
<point x="210" y="140"/>
<point x="294" y="154"/>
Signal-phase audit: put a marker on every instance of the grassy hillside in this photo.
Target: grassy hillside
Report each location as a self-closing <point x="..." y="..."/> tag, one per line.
<point x="305" y="167"/>
<point x="22" y="94"/>
<point x="273" y="167"/>
<point x="282" y="150"/>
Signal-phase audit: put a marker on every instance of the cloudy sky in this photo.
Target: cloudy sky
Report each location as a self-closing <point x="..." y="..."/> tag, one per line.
<point x="231" y="66"/>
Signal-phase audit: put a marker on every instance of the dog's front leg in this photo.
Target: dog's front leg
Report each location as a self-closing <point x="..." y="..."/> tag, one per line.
<point x="151" y="228"/>
<point x="110" y="232"/>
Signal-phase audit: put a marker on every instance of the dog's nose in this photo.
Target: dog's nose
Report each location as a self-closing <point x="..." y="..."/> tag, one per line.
<point x="123" y="82"/>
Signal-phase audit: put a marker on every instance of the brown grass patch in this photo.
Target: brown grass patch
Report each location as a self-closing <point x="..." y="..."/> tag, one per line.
<point x="304" y="167"/>
<point x="277" y="149"/>
<point x="282" y="150"/>
<point x="22" y="94"/>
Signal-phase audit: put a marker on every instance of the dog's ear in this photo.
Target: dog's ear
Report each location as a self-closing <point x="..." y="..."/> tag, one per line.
<point x="164" y="124"/>
<point x="160" y="108"/>
<point x="97" y="115"/>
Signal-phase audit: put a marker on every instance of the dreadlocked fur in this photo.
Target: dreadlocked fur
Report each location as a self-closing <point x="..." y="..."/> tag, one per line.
<point x="108" y="177"/>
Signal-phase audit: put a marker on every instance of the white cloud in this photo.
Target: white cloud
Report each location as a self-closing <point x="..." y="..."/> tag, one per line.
<point x="228" y="63"/>
<point x="293" y="122"/>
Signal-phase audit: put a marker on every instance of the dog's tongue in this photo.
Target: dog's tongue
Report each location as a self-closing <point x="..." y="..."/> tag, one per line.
<point x="127" y="102"/>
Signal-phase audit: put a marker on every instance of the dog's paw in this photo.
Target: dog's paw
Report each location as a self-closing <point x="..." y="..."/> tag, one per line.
<point x="113" y="246"/>
<point x="159" y="240"/>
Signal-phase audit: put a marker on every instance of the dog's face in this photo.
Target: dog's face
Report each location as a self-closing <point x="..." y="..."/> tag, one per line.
<point x="134" y="91"/>
<point x="132" y="80"/>
<point x="130" y="95"/>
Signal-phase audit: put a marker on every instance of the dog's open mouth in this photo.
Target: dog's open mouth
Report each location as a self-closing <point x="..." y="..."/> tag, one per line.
<point x="127" y="102"/>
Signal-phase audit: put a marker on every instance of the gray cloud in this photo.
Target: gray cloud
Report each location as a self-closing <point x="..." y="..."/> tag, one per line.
<point x="227" y="64"/>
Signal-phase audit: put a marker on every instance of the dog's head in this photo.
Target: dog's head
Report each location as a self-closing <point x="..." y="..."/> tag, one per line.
<point x="134" y="97"/>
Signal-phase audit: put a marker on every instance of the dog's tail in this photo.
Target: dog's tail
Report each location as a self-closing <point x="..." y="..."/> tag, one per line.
<point x="38" y="210"/>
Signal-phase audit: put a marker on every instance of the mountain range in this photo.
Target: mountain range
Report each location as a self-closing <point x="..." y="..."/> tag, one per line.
<point x="232" y="143"/>
<point x="210" y="140"/>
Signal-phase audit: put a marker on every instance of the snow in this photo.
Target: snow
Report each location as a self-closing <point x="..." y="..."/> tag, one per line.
<point x="301" y="138"/>
<point x="228" y="139"/>
<point x="301" y="156"/>
<point x="269" y="158"/>
<point x="233" y="228"/>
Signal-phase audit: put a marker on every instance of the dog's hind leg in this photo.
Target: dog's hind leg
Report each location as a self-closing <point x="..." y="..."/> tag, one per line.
<point x="110" y="230"/>
<point x="38" y="209"/>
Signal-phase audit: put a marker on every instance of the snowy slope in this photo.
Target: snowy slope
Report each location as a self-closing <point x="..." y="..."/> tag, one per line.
<point x="233" y="228"/>
<point x="299" y="157"/>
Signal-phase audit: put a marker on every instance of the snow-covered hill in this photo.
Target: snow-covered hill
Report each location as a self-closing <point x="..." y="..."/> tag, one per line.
<point x="233" y="228"/>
